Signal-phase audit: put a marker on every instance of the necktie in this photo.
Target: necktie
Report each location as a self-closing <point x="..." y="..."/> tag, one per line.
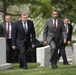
<point x="8" y="31"/>
<point x="66" y="28"/>
<point x="54" y="24"/>
<point x="25" y="27"/>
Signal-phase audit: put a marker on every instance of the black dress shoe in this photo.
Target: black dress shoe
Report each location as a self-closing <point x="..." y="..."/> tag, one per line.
<point x="25" y="68"/>
<point x="54" y="66"/>
<point x="66" y="64"/>
<point x="21" y="66"/>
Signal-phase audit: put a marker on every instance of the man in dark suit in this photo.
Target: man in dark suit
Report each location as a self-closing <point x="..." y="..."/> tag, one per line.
<point x="23" y="33"/>
<point x="62" y="51"/>
<point x="6" y="31"/>
<point x="54" y="30"/>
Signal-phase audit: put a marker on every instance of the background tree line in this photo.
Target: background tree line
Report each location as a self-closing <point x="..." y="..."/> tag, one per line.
<point x="43" y="7"/>
<point x="39" y="10"/>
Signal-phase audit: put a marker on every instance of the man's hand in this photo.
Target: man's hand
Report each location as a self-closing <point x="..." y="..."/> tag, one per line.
<point x="65" y="41"/>
<point x="45" y="43"/>
<point x="14" y="47"/>
<point x="68" y="42"/>
<point x="33" y="45"/>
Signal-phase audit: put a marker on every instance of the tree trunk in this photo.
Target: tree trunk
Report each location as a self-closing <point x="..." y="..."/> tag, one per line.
<point x="4" y="9"/>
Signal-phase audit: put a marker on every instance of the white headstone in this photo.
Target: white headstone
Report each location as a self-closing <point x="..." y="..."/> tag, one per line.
<point x="3" y="64"/>
<point x="74" y="54"/>
<point x="2" y="50"/>
<point x="43" y="55"/>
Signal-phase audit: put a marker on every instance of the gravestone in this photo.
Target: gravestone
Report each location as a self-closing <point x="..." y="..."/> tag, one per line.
<point x="3" y="64"/>
<point x="43" y="55"/>
<point x="74" y="54"/>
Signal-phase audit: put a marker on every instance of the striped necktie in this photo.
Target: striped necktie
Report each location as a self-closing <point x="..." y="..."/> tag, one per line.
<point x="54" y="24"/>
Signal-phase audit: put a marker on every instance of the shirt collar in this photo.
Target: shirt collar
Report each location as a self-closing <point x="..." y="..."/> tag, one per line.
<point x="56" y="19"/>
<point x="9" y="23"/>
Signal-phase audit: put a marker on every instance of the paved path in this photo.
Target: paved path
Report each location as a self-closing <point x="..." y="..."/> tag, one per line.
<point x="68" y="53"/>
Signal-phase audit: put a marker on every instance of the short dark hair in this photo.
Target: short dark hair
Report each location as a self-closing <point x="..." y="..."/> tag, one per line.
<point x="66" y="17"/>
<point x="7" y="15"/>
<point x="55" y="11"/>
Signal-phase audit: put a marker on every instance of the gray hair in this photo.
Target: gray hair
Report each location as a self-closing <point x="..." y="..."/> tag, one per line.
<point x="24" y="13"/>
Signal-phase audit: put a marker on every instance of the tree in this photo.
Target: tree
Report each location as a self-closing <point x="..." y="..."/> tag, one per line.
<point x="37" y="7"/>
<point x="41" y="7"/>
<point x="7" y="3"/>
<point x="66" y="8"/>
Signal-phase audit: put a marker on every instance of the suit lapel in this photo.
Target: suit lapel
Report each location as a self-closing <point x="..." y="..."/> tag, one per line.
<point x="4" y="26"/>
<point x="28" y="25"/>
<point x="51" y="22"/>
<point x="53" y="25"/>
<point x="68" y="28"/>
<point x="21" y="26"/>
<point x="58" y="24"/>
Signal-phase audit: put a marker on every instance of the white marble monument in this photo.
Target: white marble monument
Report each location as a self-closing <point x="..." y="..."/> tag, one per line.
<point x="74" y="54"/>
<point x="43" y="55"/>
<point x="3" y="64"/>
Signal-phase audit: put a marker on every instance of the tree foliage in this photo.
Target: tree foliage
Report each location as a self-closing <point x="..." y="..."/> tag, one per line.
<point x="43" y="7"/>
<point x="37" y="7"/>
<point x="66" y="8"/>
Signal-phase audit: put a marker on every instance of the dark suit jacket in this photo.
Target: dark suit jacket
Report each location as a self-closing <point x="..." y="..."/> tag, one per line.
<point x="69" y="34"/>
<point x="50" y="33"/>
<point x="3" y="32"/>
<point x="19" y="36"/>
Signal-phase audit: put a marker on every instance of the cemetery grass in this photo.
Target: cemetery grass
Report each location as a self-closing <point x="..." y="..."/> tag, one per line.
<point x="35" y="69"/>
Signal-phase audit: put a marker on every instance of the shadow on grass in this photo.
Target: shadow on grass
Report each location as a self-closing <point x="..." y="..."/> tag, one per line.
<point x="36" y="66"/>
<point x="30" y="66"/>
<point x="66" y="66"/>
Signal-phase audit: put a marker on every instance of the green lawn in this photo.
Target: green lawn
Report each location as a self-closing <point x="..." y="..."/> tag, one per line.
<point x="34" y="69"/>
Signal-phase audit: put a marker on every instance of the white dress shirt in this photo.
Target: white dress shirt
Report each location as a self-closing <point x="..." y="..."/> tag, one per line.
<point x="66" y="27"/>
<point x="25" y="24"/>
<point x="56" y="22"/>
